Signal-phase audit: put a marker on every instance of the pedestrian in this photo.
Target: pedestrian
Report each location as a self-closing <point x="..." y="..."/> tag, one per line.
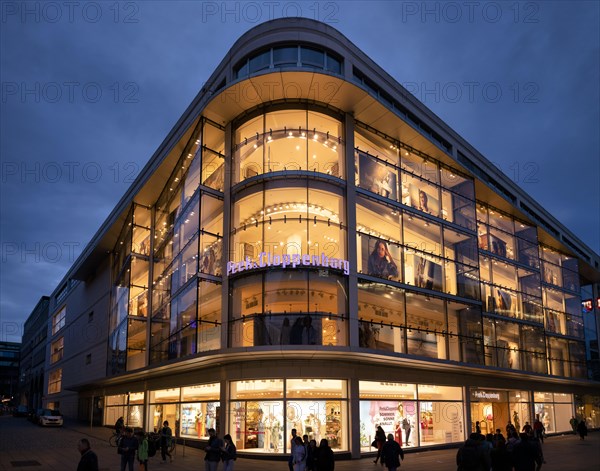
<point x="299" y="455"/>
<point x="213" y="451"/>
<point x="573" y="423"/>
<point x="311" y="455"/>
<point x="142" y="451"/>
<point x="292" y="448"/>
<point x="166" y="435"/>
<point x="498" y="436"/>
<point x="528" y="429"/>
<point x="89" y="459"/>
<point x="582" y="430"/>
<point x="472" y="456"/>
<point x="128" y="446"/>
<point x="525" y="455"/>
<point x="379" y="441"/>
<point x="325" y="460"/>
<point x="228" y="452"/>
<point x="391" y="454"/>
<point x="477" y="428"/>
<point x="539" y="429"/>
<point x="119" y="425"/>
<point x="500" y="457"/>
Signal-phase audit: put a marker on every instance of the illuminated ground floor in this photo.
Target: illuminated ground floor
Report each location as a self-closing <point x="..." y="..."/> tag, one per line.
<point x="259" y="402"/>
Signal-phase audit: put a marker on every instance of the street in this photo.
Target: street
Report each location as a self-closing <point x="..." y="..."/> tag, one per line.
<point x="25" y="446"/>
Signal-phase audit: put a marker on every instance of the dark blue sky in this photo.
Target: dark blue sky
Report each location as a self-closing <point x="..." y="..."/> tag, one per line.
<point x="89" y="90"/>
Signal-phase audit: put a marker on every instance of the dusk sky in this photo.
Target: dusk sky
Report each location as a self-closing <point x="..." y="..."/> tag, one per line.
<point x="90" y="90"/>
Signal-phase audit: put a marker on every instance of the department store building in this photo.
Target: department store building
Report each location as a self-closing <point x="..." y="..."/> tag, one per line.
<point x="310" y="247"/>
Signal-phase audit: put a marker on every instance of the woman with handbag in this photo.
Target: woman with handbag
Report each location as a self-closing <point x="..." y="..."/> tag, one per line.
<point x="379" y="440"/>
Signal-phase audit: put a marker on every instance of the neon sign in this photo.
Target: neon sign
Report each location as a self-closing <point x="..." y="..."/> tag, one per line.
<point x="266" y="259"/>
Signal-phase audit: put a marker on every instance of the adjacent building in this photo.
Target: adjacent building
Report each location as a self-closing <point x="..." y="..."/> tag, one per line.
<point x="33" y="355"/>
<point x="9" y="373"/>
<point x="311" y="247"/>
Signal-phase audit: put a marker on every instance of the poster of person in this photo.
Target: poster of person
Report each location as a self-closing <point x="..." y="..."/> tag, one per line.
<point x="377" y="177"/>
<point x="428" y="274"/>
<point x="210" y="259"/>
<point x="423" y="200"/>
<point x="380" y="258"/>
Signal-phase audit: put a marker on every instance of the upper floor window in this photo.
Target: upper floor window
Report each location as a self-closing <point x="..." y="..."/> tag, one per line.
<point x="56" y="350"/>
<point x="313" y="57"/>
<point x="55" y="381"/>
<point x="59" y="320"/>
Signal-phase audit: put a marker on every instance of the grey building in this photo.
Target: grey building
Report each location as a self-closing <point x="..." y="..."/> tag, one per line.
<point x="33" y="355"/>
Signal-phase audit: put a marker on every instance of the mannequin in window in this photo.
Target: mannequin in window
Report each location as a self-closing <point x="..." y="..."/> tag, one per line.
<point x="381" y="262"/>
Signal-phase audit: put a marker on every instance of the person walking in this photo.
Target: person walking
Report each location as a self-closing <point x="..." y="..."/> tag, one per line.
<point x="229" y="453"/>
<point x="472" y="456"/>
<point x="142" y="451"/>
<point x="525" y="455"/>
<point x="379" y="441"/>
<point x="582" y="430"/>
<point x="573" y="423"/>
<point x="311" y="456"/>
<point x="325" y="460"/>
<point x="128" y="446"/>
<point x="391" y="453"/>
<point x="213" y="451"/>
<point x="166" y="435"/>
<point x="89" y="459"/>
<point x="500" y="456"/>
<point x="539" y="429"/>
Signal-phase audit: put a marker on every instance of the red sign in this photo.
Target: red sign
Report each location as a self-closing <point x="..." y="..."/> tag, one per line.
<point x="587" y="305"/>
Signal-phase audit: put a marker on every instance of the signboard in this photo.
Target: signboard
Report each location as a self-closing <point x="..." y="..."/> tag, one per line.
<point x="266" y="259"/>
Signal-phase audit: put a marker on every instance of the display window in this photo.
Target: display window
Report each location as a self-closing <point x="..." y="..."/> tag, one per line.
<point x="558" y="356"/>
<point x="288" y="140"/>
<point x="426" y="320"/>
<point x="394" y="407"/>
<point x="371" y="144"/>
<point x="381" y="315"/>
<point x="260" y="420"/>
<point x="197" y="418"/>
<point x="588" y="408"/>
<point x="117" y="406"/>
<point x="554" y="410"/>
<point x="296" y="219"/>
<point x="495" y="408"/>
<point x="376" y="176"/>
<point x="289" y="308"/>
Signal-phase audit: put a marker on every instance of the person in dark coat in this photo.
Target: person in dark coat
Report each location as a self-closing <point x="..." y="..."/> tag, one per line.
<point x="324" y="459"/>
<point x="379" y="440"/>
<point x="582" y="430"/>
<point x="525" y="454"/>
<point x="128" y="446"/>
<point x="391" y="453"/>
<point x="472" y="456"/>
<point x="500" y="456"/>
<point x="89" y="459"/>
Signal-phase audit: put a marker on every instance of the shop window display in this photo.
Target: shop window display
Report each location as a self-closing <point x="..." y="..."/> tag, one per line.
<point x="394" y="407"/>
<point x="257" y="413"/>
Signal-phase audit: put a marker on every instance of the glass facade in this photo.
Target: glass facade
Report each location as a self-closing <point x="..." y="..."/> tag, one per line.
<point x="292" y="227"/>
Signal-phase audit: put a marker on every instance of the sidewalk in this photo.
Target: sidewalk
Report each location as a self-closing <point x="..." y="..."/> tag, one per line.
<point x="54" y="449"/>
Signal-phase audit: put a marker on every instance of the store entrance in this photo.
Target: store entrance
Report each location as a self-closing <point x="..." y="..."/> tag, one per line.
<point x="490" y="415"/>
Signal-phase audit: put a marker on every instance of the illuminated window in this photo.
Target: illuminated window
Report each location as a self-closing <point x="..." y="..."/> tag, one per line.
<point x="55" y="381"/>
<point x="56" y="350"/>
